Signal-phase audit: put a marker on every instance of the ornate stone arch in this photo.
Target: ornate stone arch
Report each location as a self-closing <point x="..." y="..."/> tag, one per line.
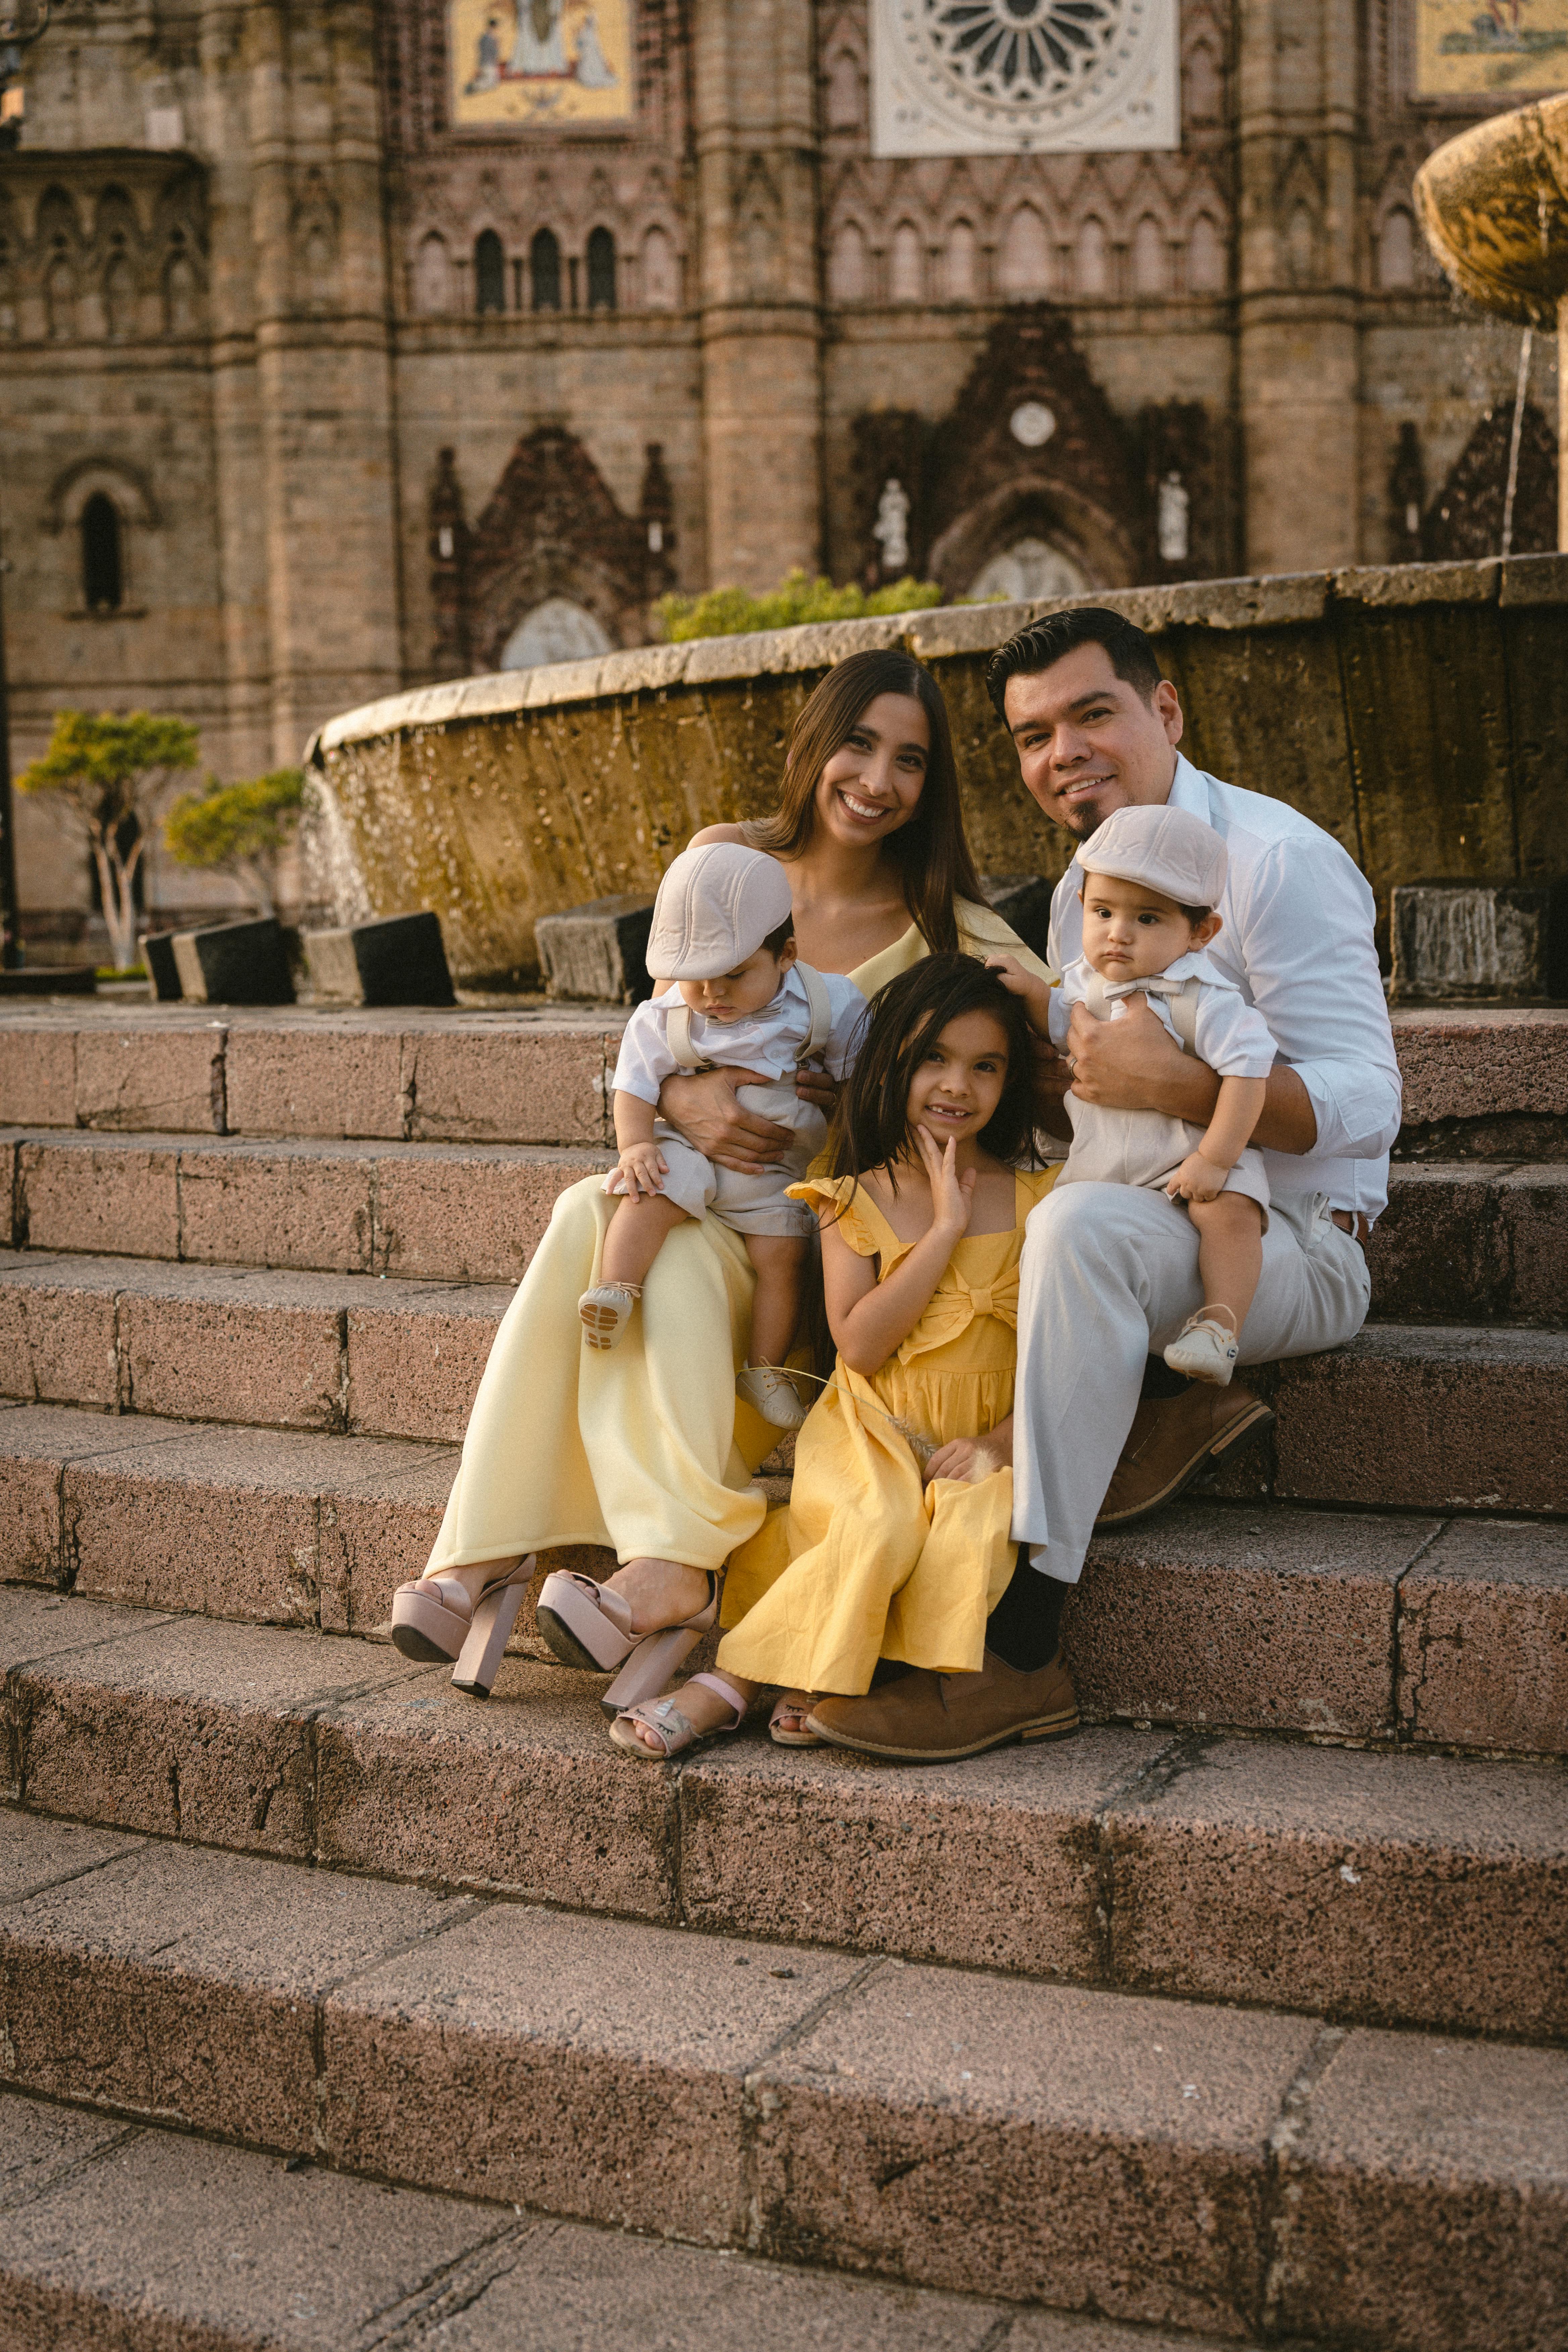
<point x="129" y="493"/>
<point x="552" y="530"/>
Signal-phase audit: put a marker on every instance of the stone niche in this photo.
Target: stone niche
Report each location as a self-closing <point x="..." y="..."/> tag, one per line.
<point x="1416" y="711"/>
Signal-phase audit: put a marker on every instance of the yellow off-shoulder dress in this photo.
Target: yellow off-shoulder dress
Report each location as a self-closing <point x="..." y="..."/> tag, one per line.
<point x="644" y="1447"/>
<point x="865" y="1562"/>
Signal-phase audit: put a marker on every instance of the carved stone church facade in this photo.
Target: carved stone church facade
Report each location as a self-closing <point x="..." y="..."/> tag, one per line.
<point x="313" y="392"/>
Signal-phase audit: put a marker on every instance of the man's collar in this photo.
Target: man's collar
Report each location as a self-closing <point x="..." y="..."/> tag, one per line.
<point x="1189" y="789"/>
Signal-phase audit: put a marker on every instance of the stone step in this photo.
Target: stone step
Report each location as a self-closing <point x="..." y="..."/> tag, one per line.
<point x="445" y="1213"/>
<point x="1175" y="2163"/>
<point x="1462" y="1241"/>
<point x="1392" y="1887"/>
<point x="117" y="2233"/>
<point x="1478" y="1083"/>
<point x="1344" y="1626"/>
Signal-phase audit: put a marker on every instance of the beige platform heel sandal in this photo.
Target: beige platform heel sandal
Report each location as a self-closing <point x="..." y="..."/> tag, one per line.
<point x="432" y="1618"/>
<point x="586" y="1624"/>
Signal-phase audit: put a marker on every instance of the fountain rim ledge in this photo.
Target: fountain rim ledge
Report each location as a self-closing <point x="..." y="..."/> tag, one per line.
<point x="942" y="632"/>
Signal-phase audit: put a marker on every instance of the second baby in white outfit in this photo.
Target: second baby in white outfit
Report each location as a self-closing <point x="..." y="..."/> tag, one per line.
<point x="1152" y="880"/>
<point x="723" y="933"/>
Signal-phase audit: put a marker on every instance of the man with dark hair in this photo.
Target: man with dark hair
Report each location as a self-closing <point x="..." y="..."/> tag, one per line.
<point x="1102" y="1430"/>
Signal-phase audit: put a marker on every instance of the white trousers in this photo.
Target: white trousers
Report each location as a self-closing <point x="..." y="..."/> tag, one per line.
<point x="1110" y="1276"/>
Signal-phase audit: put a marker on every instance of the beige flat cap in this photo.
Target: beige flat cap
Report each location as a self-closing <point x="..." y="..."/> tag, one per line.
<point x="715" y="906"/>
<point x="1166" y="849"/>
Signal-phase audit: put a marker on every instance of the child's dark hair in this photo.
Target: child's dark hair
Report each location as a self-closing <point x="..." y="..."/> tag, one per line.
<point x="872" y="1124"/>
<point x="777" y="940"/>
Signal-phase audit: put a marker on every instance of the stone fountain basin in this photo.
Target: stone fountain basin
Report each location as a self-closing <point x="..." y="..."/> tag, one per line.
<point x="1494" y="207"/>
<point x="1418" y="711"/>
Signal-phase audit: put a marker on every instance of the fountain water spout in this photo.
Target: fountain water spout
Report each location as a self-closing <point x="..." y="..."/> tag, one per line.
<point x="1494" y="207"/>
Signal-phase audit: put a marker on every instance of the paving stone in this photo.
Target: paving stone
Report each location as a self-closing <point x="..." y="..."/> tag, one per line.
<point x="57" y="1328"/>
<point x="183" y="1984"/>
<point x="1483" y="1637"/>
<point x="380" y="1518"/>
<point x="1033" y="2141"/>
<point x="1278" y="1620"/>
<point x="1417" y="1890"/>
<point x="1482" y="1065"/>
<point x="993" y="1862"/>
<point x="478" y="1085"/>
<point x="41" y="2145"/>
<point x="38" y="1076"/>
<point x="287" y="1205"/>
<point x="168" y="1081"/>
<point x="1426" y="2198"/>
<point x="1428" y="1419"/>
<point x="416" y="1357"/>
<point x="1437" y="1253"/>
<point x="37" y="1441"/>
<point x="77" y="1193"/>
<point x="173" y="1727"/>
<point x="36" y="1853"/>
<point x="525" y="1794"/>
<point x="233" y="1345"/>
<point x="315" y="1077"/>
<point x="460" y="1214"/>
<point x="1533" y="1210"/>
<point x="588" y="2067"/>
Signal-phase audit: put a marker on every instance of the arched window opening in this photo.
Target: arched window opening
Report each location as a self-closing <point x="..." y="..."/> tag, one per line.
<point x="119" y="298"/>
<point x="181" y="296"/>
<point x="1396" y="250"/>
<point x="844" y="102"/>
<point x="489" y="272"/>
<point x="59" y="296"/>
<point x="906" y="264"/>
<point x="1093" y="258"/>
<point x="1149" y="271"/>
<point x="432" y="279"/>
<point x="962" y="264"/>
<point x="1205" y="258"/>
<point x="601" y="270"/>
<point x="1300" y="241"/>
<point x="556" y="631"/>
<point x="846" y="270"/>
<point x="660" y="272"/>
<point x="1025" y="256"/>
<point x="545" y="269"/>
<point x="102" y="563"/>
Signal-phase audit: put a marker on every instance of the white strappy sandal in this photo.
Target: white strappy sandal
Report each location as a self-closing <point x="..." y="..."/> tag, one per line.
<point x="432" y="1618"/>
<point x="588" y="1625"/>
<point x="674" y="1729"/>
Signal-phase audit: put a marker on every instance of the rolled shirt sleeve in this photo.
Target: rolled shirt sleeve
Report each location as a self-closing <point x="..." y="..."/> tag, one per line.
<point x="1305" y="915"/>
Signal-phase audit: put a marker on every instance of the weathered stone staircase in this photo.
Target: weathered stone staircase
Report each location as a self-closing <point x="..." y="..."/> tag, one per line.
<point x="1241" y="2013"/>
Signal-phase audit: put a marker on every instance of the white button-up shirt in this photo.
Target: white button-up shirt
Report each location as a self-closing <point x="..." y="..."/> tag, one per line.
<point x="767" y="1041"/>
<point x="1298" y="942"/>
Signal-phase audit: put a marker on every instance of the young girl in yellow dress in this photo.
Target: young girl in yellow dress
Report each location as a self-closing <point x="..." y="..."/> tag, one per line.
<point x="896" y="1543"/>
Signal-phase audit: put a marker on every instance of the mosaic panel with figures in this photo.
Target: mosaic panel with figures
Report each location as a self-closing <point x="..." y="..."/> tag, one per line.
<point x="539" y="64"/>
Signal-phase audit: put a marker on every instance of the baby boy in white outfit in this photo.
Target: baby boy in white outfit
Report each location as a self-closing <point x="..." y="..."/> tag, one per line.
<point x="1152" y="880"/>
<point x="724" y="933"/>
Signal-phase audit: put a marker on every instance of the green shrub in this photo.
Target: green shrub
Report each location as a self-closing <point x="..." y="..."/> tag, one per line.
<point x="239" y="829"/>
<point x="732" y="612"/>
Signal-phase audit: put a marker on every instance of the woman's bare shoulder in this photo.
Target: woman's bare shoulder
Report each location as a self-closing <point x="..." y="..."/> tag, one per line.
<point x="719" y="832"/>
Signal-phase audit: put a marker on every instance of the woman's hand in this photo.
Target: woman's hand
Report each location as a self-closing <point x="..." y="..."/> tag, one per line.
<point x="705" y="1110"/>
<point x="951" y="1195"/>
<point x="973" y="1458"/>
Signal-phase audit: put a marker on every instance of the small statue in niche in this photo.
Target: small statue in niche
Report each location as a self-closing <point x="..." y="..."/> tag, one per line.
<point x="1172" y="523"/>
<point x="891" y="528"/>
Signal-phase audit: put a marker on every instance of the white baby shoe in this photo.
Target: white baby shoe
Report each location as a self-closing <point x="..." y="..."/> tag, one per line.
<point x="605" y="1310"/>
<point x="1205" y="1351"/>
<point x="773" y="1395"/>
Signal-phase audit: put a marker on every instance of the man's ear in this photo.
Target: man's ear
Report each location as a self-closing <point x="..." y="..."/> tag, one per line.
<point x="1166" y="706"/>
<point x="1209" y="928"/>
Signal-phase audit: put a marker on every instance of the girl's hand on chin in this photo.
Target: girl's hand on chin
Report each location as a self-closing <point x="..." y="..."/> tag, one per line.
<point x="951" y="1195"/>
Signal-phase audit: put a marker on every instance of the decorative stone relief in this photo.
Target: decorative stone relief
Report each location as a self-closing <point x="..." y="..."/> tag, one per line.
<point x="1010" y="76"/>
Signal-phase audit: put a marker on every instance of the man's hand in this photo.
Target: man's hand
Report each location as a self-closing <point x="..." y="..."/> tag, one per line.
<point x="704" y="1109"/>
<point x="1134" y="1062"/>
<point x="814" y="1085"/>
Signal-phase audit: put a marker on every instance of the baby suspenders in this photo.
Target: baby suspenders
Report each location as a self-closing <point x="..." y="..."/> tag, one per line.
<point x="678" y="1025"/>
<point x="1183" y="1008"/>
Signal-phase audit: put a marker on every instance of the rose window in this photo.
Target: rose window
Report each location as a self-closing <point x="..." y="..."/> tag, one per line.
<point x="1024" y="51"/>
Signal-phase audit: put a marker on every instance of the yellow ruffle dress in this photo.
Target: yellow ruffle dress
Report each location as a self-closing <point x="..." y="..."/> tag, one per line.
<point x="865" y="1562"/>
<point x="644" y="1448"/>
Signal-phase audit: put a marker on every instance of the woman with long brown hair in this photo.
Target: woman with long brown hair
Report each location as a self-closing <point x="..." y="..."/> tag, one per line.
<point x="644" y="1449"/>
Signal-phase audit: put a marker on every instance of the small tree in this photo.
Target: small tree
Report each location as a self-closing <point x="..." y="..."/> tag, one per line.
<point x="239" y="829"/>
<point x="107" y="770"/>
<point x="728" y="612"/>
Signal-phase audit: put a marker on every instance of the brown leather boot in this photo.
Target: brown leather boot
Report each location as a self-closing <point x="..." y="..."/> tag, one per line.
<point x="930" y="1718"/>
<point x="1170" y="1440"/>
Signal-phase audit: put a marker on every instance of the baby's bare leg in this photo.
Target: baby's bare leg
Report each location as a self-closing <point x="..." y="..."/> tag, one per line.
<point x="637" y="1233"/>
<point x="780" y="1261"/>
<point x="1230" y="1252"/>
